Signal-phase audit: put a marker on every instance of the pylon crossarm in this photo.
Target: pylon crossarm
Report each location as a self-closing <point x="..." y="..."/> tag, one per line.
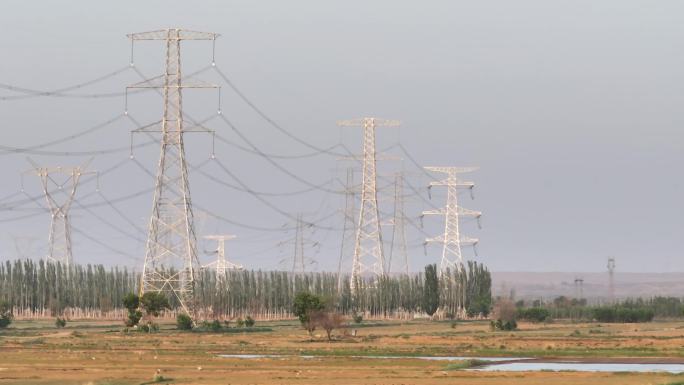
<point x="458" y="183"/>
<point x="439" y="238"/>
<point x="434" y="212"/>
<point x="182" y="34"/>
<point x="469" y="213"/>
<point x="469" y="241"/>
<point x="451" y="170"/>
<point x="359" y="122"/>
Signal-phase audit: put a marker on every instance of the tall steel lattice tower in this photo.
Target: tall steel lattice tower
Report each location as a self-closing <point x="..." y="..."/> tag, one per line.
<point x="60" y="228"/>
<point x="171" y="256"/>
<point x="451" y="239"/>
<point x="611" y="282"/>
<point x="221" y="264"/>
<point x="349" y="225"/>
<point x="399" y="227"/>
<point x="368" y="253"/>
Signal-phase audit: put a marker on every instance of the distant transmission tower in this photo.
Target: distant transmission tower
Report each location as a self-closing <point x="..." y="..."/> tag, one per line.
<point x="221" y="265"/>
<point x="451" y="239"/>
<point x="579" y="288"/>
<point x="60" y="228"/>
<point x="299" y="261"/>
<point x="171" y="255"/>
<point x="368" y="254"/>
<point x="349" y="225"/>
<point x="399" y="226"/>
<point x="611" y="282"/>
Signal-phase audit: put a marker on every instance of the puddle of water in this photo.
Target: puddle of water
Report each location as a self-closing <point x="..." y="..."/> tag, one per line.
<point x="431" y="358"/>
<point x="580" y="367"/>
<point x="504" y="364"/>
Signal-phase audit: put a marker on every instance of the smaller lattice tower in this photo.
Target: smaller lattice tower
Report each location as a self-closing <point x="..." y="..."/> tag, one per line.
<point x="56" y="180"/>
<point x="398" y="246"/>
<point x="300" y="241"/>
<point x="451" y="239"/>
<point x="611" y="277"/>
<point x="348" y="226"/>
<point x="579" y="288"/>
<point x="221" y="265"/>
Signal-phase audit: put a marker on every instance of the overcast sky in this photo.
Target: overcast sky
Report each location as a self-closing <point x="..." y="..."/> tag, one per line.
<point x="571" y="109"/>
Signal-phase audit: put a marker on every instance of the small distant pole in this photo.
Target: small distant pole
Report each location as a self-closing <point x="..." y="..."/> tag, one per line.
<point x="611" y="283"/>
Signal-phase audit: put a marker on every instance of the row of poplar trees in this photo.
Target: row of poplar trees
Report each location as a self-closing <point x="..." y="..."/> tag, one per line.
<point x="35" y="289"/>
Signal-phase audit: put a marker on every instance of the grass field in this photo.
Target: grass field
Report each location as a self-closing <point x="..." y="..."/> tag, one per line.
<point x="35" y="352"/>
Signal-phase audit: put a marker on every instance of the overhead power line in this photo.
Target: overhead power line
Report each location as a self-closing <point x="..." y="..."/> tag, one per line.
<point x="62" y="92"/>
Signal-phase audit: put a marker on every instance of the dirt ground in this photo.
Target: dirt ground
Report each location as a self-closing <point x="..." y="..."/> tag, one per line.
<point x="35" y="352"/>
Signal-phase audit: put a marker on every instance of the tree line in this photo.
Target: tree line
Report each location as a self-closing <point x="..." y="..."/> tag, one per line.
<point x="37" y="288"/>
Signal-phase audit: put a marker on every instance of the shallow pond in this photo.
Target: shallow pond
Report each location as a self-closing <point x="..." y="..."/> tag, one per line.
<point x="502" y="364"/>
<point x="580" y="367"/>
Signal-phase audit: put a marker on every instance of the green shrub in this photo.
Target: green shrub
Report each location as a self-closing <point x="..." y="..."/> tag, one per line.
<point x="240" y="322"/>
<point x="249" y="321"/>
<point x="60" y="322"/>
<point x="534" y="314"/>
<point x="6" y="315"/>
<point x="131" y="302"/>
<point x="622" y="314"/>
<point x="183" y="322"/>
<point x="154" y="303"/>
<point x="149" y="327"/>
<point x="214" y="326"/>
<point x="133" y="318"/>
<point x="503" y="325"/>
<point x="358" y="318"/>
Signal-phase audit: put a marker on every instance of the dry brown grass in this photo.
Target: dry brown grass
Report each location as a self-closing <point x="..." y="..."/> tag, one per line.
<point x="99" y="353"/>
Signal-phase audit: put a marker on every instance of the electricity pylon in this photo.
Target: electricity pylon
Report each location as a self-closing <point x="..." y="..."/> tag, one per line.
<point x="399" y="226"/>
<point x="349" y="225"/>
<point x="221" y="264"/>
<point x="299" y="261"/>
<point x="579" y="288"/>
<point x="368" y="253"/>
<point x="451" y="239"/>
<point x="611" y="283"/>
<point x="171" y="252"/>
<point x="59" y="249"/>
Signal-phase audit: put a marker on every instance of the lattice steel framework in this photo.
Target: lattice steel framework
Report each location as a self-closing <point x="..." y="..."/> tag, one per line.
<point x="349" y="225"/>
<point x="59" y="249"/>
<point x="611" y="276"/>
<point x="171" y="252"/>
<point x="451" y="239"/>
<point x="368" y="253"/>
<point x="399" y="227"/>
<point x="221" y="264"/>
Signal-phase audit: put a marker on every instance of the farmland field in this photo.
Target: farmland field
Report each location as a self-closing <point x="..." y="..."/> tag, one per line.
<point x="87" y="352"/>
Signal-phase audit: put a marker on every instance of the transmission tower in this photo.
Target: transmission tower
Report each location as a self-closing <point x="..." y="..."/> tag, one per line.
<point x="611" y="283"/>
<point x="579" y="288"/>
<point x="171" y="252"/>
<point x="221" y="265"/>
<point x="368" y="254"/>
<point x="66" y="180"/>
<point x="299" y="261"/>
<point x="451" y="239"/>
<point x="399" y="226"/>
<point x="348" y="226"/>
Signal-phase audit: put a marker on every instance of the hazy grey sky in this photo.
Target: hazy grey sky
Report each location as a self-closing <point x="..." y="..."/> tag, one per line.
<point x="570" y="108"/>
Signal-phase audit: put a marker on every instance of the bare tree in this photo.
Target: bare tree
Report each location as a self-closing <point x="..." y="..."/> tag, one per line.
<point x="328" y="321"/>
